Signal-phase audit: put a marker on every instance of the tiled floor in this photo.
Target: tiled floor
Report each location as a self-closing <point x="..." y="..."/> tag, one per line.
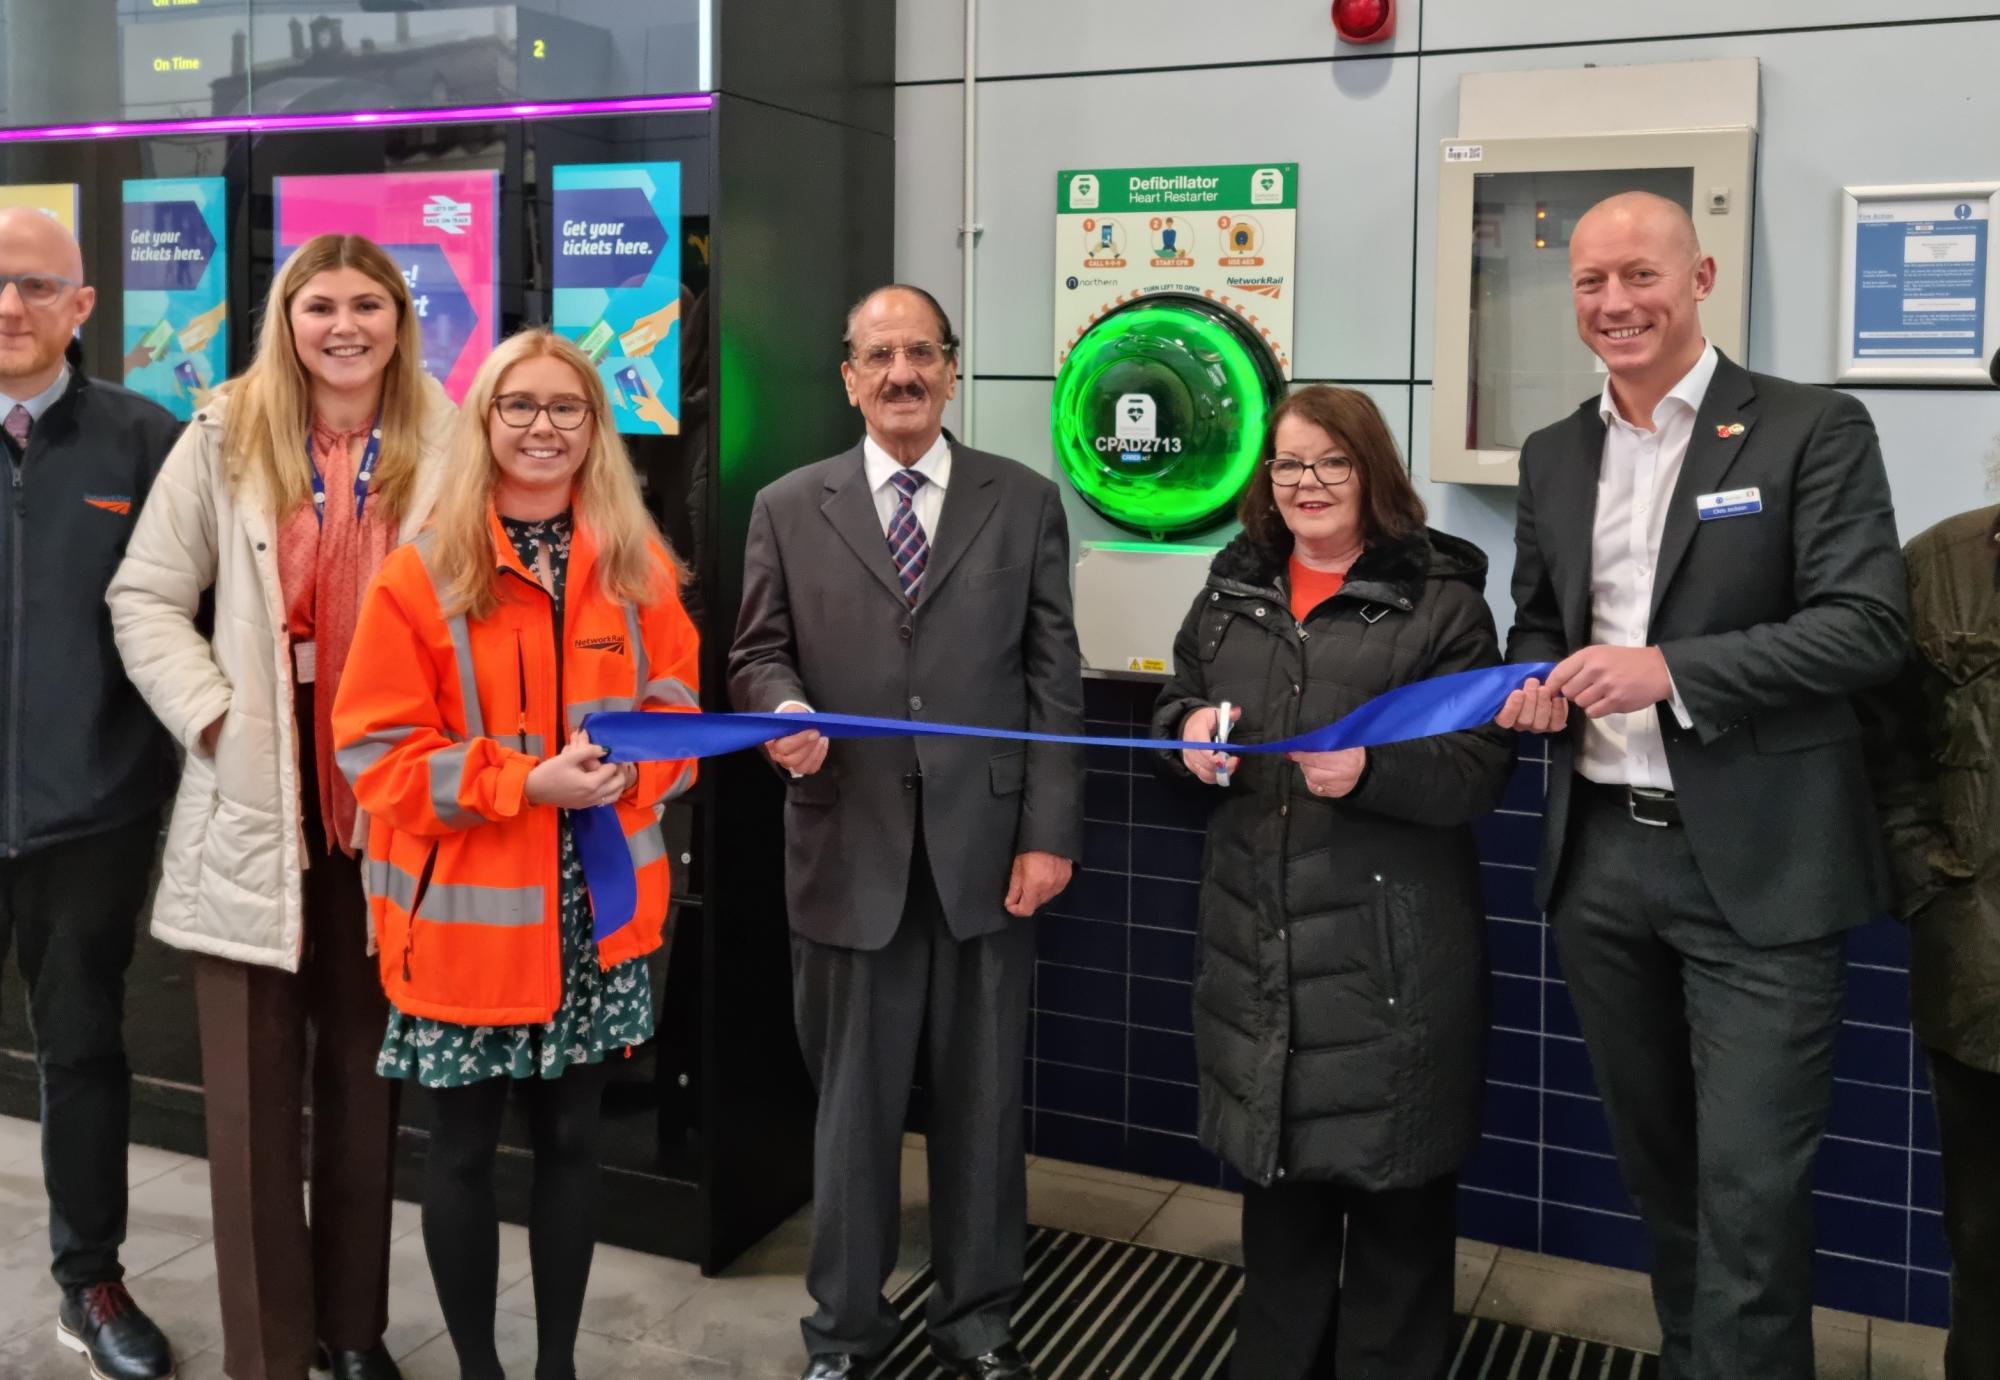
<point x="652" y="1317"/>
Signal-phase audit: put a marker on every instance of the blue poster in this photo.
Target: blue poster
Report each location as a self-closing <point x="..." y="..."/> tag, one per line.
<point x="617" y="283"/>
<point x="1920" y="282"/>
<point x="176" y="290"/>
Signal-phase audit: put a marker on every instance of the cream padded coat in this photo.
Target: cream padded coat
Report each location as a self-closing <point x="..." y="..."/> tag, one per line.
<point x="231" y="880"/>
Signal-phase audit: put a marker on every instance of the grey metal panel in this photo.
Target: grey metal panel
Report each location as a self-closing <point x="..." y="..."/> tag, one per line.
<point x="835" y="59"/>
<point x="1352" y="124"/>
<point x="1482" y="23"/>
<point x="930" y="39"/>
<point x="1022" y="36"/>
<point x="1819" y="131"/>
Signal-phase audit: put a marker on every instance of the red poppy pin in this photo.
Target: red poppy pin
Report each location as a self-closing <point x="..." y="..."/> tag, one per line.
<point x="1725" y="430"/>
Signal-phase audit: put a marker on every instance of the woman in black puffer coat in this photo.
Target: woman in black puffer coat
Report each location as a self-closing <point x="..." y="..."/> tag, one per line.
<point x="1340" y="1013"/>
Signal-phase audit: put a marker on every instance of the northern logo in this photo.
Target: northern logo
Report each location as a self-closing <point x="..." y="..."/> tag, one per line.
<point x="120" y="504"/>
<point x="443" y="213"/>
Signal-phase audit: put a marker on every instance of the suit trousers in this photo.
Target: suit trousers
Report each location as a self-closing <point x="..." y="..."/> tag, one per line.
<point x="1968" y="1112"/>
<point x="1388" y="1319"/>
<point x="73" y="909"/>
<point x="1715" y="1062"/>
<point x="861" y="1015"/>
<point x="289" y="1278"/>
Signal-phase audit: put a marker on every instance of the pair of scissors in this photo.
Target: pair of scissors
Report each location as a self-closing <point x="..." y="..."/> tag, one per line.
<point x="1222" y="738"/>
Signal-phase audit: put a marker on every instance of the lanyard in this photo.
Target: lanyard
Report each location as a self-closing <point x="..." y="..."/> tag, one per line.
<point x="361" y="475"/>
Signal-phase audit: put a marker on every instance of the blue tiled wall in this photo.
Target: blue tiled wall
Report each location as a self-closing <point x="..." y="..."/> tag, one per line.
<point x="1111" y="1059"/>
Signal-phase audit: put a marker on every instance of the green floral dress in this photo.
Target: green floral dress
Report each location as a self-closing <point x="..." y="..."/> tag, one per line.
<point x="600" y="1012"/>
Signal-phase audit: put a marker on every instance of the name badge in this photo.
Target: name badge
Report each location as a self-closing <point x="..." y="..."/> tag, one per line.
<point x="1727" y="504"/>
<point x="305" y="662"/>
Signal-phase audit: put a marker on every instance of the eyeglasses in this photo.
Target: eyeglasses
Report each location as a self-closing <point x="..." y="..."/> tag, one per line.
<point x="922" y="354"/>
<point x="38" y="289"/>
<point x="1332" y="471"/>
<point x="519" y="411"/>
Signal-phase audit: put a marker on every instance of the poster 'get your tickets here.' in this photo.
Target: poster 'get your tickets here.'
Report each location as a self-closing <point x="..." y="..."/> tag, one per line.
<point x="617" y="284"/>
<point x="176" y="289"/>
<point x="1227" y="233"/>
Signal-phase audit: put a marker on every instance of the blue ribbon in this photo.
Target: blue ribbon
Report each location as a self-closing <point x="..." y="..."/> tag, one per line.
<point x="1422" y="709"/>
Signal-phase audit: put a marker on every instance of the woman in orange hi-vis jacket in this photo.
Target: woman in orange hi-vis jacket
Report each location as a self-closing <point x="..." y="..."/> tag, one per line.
<point x="541" y="593"/>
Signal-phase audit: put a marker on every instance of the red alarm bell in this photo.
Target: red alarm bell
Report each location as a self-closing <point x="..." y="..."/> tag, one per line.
<point x="1364" y="21"/>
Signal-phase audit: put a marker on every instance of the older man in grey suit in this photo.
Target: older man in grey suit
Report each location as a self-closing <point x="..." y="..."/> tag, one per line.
<point x="913" y="577"/>
<point x="1710" y="556"/>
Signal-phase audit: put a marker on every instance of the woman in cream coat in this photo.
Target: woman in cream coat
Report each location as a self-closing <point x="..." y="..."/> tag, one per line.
<point x="282" y="497"/>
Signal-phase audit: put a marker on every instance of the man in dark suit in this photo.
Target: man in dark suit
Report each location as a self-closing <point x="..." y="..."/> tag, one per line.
<point x="913" y="577"/>
<point x="1710" y="557"/>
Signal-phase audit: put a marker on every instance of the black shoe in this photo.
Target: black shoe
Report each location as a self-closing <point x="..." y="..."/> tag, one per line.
<point x="835" y="1366"/>
<point x="102" y="1322"/>
<point x="1004" y="1362"/>
<point x="372" y="1364"/>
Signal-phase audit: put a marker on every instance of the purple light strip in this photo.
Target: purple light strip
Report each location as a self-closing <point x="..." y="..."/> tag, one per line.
<point x="277" y="124"/>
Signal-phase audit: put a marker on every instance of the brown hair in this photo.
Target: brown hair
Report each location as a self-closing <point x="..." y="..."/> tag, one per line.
<point x="1390" y="508"/>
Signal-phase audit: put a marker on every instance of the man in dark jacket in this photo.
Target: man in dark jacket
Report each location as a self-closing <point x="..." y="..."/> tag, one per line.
<point x="1935" y="768"/>
<point x="915" y="577"/>
<point x="1710" y="556"/>
<point x="84" y="767"/>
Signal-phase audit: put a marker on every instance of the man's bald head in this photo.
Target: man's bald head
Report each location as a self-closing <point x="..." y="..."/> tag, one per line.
<point x="1663" y="221"/>
<point x="1638" y="277"/>
<point x="40" y="242"/>
<point x="43" y="300"/>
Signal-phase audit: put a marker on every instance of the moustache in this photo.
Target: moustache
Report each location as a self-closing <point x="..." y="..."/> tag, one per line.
<point x="898" y="392"/>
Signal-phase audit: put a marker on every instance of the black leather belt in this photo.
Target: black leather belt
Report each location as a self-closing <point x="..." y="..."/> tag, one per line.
<point x="1644" y="804"/>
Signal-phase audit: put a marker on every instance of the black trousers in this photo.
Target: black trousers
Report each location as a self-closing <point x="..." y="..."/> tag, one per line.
<point x="1342" y="1283"/>
<point x="73" y="910"/>
<point x="1968" y="1113"/>
<point x="1715" y="1060"/>
<point x="861" y="1015"/>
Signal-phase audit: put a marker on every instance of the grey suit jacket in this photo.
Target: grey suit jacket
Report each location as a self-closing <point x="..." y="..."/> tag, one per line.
<point x="1771" y="624"/>
<point x="990" y="643"/>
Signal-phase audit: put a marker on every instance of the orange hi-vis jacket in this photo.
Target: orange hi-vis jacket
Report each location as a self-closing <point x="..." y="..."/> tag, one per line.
<point x="438" y="722"/>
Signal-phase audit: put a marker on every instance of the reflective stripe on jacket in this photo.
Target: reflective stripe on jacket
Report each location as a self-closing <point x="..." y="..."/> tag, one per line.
<point x="438" y="723"/>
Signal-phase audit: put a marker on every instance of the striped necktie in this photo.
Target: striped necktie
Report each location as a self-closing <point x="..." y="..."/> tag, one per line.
<point x="909" y="548"/>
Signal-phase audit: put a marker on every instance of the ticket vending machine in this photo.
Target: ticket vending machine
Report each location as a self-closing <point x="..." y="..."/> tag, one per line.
<point x="1158" y="417"/>
<point x="757" y="214"/>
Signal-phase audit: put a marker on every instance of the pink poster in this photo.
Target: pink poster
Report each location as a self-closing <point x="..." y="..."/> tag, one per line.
<point x="442" y="228"/>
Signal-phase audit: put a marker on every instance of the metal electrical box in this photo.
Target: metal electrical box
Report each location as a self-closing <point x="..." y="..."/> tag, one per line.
<point x="1508" y="360"/>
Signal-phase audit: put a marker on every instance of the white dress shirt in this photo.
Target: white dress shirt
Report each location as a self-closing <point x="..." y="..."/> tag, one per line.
<point x="877" y="465"/>
<point x="1635" y="484"/>
<point x="934" y="465"/>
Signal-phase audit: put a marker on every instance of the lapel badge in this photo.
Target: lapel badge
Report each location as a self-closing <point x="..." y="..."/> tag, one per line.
<point x="1724" y="432"/>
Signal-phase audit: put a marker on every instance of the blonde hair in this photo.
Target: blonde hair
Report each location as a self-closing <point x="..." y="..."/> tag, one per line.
<point x="633" y="563"/>
<point x="270" y="402"/>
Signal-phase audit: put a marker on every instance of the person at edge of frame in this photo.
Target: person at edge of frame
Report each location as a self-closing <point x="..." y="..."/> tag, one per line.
<point x="1934" y="732"/>
<point x="84" y="768"/>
